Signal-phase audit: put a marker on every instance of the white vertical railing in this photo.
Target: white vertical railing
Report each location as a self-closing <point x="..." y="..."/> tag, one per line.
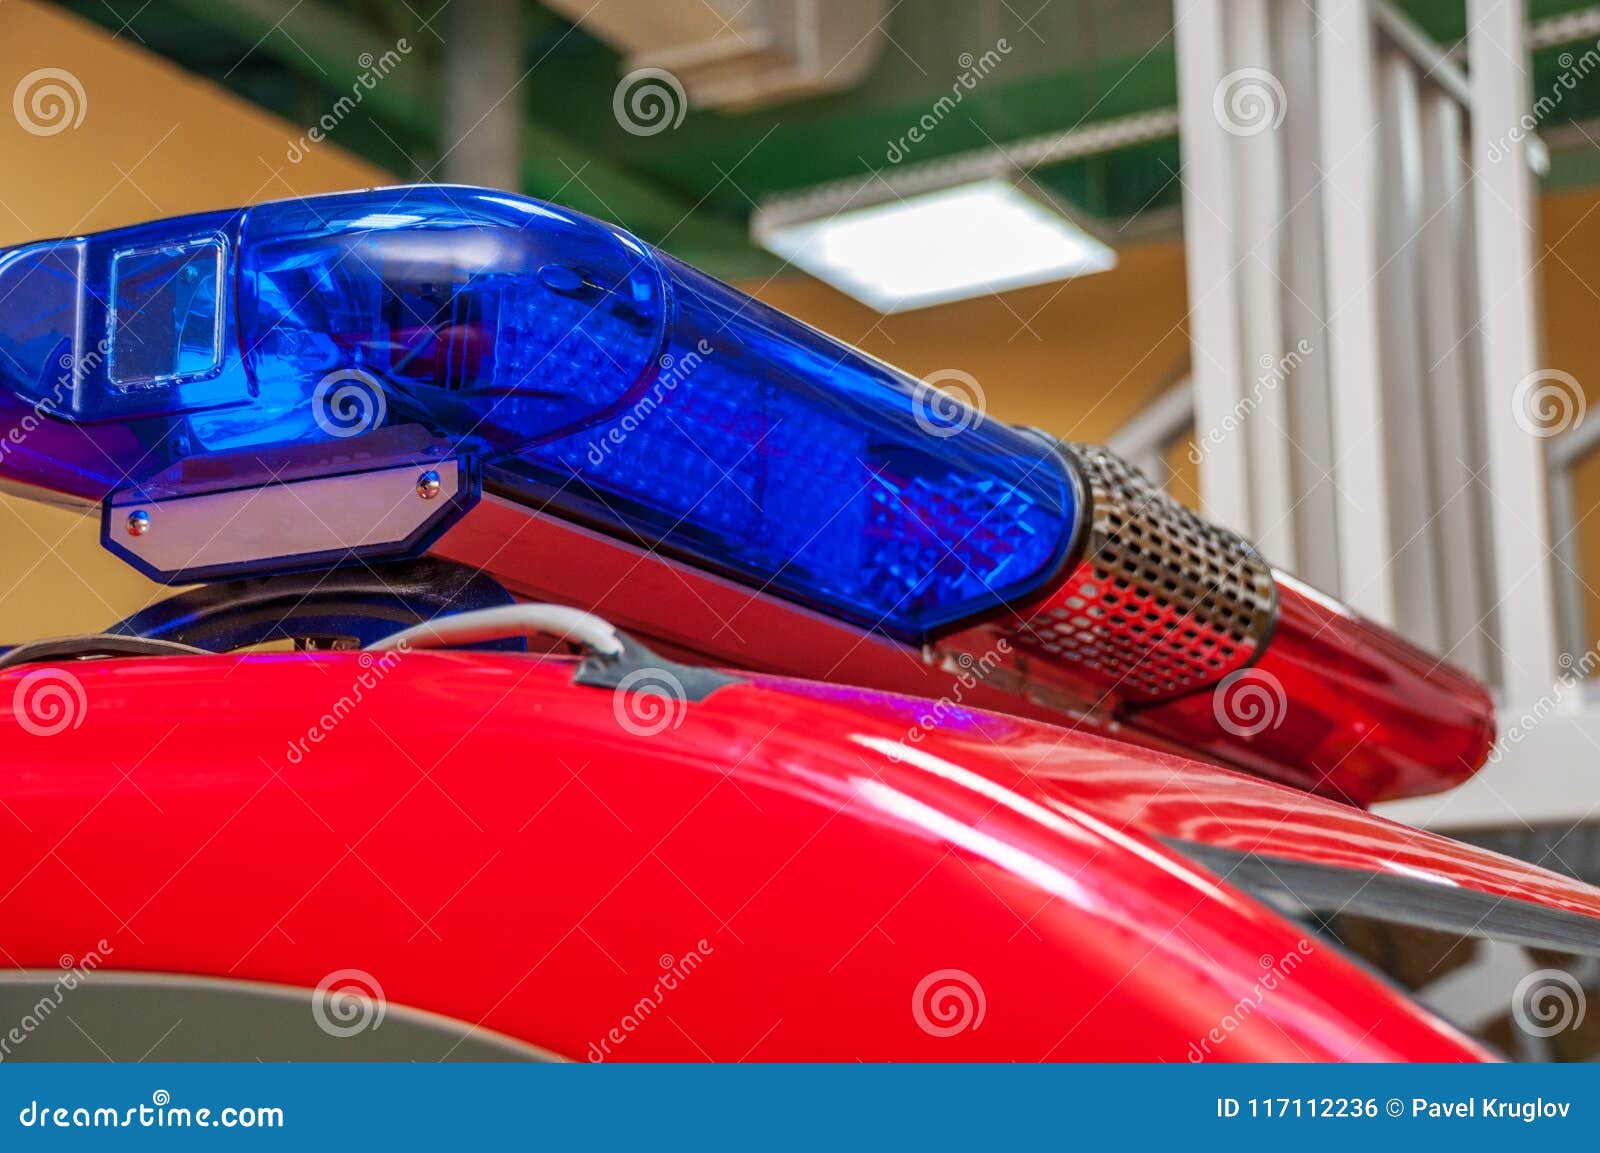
<point x="1367" y="231"/>
<point x="1309" y="428"/>
<point x="1413" y="502"/>
<point x="1215" y="302"/>
<point x="1567" y="452"/>
<point x="1351" y="153"/>
<point x="1445" y="251"/>
<point x="1259" y="203"/>
<point x="1505" y="230"/>
<point x="1399" y="222"/>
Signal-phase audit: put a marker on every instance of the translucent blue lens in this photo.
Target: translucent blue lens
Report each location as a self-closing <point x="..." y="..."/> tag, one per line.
<point x="590" y="374"/>
<point x="779" y="455"/>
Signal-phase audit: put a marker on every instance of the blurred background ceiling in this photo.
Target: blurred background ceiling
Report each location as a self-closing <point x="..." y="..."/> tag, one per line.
<point x="1070" y="65"/>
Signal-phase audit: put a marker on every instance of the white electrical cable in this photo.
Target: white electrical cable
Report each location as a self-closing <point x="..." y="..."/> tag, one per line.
<point x="508" y="621"/>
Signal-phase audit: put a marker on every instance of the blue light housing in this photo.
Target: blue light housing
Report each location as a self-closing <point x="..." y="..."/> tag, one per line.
<point x="572" y="367"/>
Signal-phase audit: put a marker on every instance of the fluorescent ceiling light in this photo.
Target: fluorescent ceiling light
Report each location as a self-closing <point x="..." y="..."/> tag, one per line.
<point x="954" y="243"/>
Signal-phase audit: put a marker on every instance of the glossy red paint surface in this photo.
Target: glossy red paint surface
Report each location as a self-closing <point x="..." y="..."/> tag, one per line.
<point x="1340" y="706"/>
<point x="1194" y="801"/>
<point x="496" y="845"/>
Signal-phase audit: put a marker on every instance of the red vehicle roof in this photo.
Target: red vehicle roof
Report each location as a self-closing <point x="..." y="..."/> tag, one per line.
<point x="513" y="851"/>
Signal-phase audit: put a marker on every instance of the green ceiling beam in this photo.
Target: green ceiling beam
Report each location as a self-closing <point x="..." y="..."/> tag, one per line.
<point x="326" y="47"/>
<point x="729" y="157"/>
<point x="1573" y="168"/>
<point x="1446" y="20"/>
<point x="692" y="187"/>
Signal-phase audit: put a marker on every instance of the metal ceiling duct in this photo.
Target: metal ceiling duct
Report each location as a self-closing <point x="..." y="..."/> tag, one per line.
<point x="741" y="53"/>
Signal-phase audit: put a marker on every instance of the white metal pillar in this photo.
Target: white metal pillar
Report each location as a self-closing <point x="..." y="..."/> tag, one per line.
<point x="1403" y="250"/>
<point x="1310" y="429"/>
<point x="1351" y="147"/>
<point x="1233" y="109"/>
<point x="1334" y="232"/>
<point x="1210" y="243"/>
<point x="1505" y="209"/>
<point x="1258" y="244"/>
<point x="1408" y="443"/>
<point x="1452" y="400"/>
<point x="483" y="103"/>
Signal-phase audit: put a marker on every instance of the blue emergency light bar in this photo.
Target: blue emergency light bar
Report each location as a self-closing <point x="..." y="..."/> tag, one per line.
<point x="266" y="388"/>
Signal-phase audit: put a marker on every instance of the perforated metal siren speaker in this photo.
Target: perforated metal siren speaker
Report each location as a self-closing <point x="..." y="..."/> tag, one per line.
<point x="1162" y="603"/>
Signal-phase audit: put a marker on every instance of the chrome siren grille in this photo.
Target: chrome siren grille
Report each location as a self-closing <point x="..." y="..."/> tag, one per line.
<point x="1163" y="602"/>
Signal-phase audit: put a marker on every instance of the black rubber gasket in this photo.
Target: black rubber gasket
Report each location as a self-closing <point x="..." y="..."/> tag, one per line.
<point x="638" y="666"/>
<point x="1409" y="901"/>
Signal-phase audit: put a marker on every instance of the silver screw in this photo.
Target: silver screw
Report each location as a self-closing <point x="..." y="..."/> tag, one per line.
<point x="138" y="522"/>
<point x="428" y="484"/>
